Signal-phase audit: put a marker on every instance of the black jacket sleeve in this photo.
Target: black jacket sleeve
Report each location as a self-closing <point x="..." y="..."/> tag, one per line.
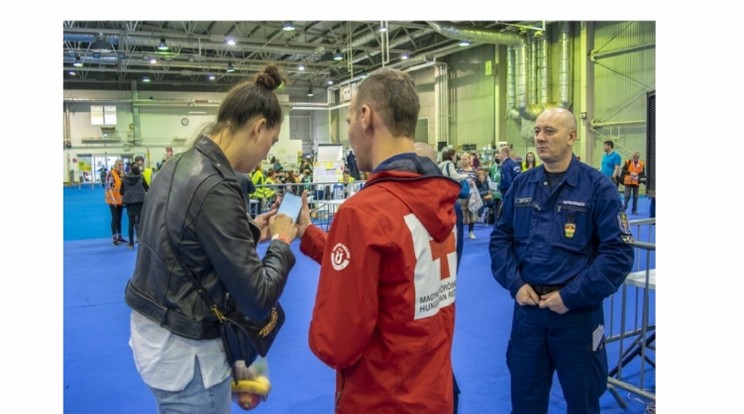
<point x="255" y="284"/>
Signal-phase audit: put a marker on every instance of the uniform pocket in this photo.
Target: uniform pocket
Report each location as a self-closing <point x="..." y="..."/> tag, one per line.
<point x="572" y="227"/>
<point x="523" y="212"/>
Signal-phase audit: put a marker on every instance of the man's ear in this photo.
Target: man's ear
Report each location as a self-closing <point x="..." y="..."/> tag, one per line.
<point x="366" y="114"/>
<point x="572" y="137"/>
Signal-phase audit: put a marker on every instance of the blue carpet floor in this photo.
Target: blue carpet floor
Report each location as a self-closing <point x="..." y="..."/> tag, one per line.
<point x="100" y="377"/>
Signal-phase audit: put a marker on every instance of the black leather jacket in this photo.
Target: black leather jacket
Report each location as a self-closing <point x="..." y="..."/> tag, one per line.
<point x="203" y="214"/>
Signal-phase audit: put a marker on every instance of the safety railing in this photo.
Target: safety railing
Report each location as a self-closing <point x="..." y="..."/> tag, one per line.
<point x="632" y="328"/>
<point x="324" y="198"/>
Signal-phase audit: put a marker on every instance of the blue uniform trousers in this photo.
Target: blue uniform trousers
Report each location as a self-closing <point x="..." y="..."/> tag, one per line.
<point x="542" y="342"/>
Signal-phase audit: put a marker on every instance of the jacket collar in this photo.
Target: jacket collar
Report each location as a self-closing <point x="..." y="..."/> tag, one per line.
<point x="571" y="177"/>
<point x="408" y="161"/>
<point x="212" y="151"/>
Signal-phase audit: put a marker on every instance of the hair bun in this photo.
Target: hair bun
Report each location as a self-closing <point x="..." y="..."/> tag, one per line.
<point x="270" y="78"/>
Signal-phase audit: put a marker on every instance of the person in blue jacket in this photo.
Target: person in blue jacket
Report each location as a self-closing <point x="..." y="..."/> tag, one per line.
<point x="561" y="245"/>
<point x="509" y="169"/>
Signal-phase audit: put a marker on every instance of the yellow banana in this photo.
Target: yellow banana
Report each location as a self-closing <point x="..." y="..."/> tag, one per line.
<point x="259" y="385"/>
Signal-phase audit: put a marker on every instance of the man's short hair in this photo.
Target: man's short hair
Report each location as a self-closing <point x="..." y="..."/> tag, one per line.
<point x="139" y="158"/>
<point x="610" y="143"/>
<point x="392" y="94"/>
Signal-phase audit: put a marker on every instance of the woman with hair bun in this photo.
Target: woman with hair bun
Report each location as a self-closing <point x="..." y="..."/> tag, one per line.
<point x="194" y="223"/>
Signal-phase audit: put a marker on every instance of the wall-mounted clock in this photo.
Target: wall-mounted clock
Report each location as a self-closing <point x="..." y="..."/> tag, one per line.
<point x="184" y="121"/>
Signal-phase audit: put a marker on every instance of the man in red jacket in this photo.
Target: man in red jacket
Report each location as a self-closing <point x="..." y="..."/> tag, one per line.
<point x="384" y="313"/>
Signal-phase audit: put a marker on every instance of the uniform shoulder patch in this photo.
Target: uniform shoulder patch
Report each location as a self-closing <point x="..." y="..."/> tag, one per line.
<point x="625" y="233"/>
<point x="622" y="222"/>
<point x="340" y="256"/>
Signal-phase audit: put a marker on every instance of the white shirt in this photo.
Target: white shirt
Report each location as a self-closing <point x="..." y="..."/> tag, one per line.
<point x="449" y="170"/>
<point x="166" y="360"/>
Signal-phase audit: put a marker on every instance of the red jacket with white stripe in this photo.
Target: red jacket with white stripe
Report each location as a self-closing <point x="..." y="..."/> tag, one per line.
<point x="384" y="314"/>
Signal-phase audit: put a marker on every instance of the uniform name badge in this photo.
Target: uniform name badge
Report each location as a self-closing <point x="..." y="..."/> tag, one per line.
<point x="569" y="228"/>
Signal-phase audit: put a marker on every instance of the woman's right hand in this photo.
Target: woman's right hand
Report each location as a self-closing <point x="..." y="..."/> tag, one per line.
<point x="262" y="221"/>
<point x="282" y="225"/>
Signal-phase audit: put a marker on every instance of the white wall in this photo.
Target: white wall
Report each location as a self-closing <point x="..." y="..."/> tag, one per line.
<point x="147" y="125"/>
<point x="286" y="150"/>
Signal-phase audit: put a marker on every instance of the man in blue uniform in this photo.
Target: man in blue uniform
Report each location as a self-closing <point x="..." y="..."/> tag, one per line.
<point x="561" y="245"/>
<point x="509" y="169"/>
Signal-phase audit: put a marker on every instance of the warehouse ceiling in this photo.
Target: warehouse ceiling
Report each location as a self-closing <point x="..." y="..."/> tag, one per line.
<point x="120" y="55"/>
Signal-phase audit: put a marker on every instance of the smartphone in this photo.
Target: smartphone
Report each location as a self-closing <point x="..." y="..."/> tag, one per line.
<point x="291" y="206"/>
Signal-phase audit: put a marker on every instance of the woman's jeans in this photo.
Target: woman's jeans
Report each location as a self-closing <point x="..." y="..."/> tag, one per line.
<point x="195" y="398"/>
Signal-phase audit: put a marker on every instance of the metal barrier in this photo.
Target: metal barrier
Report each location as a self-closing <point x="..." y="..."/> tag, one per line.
<point x="324" y="198"/>
<point x="634" y="334"/>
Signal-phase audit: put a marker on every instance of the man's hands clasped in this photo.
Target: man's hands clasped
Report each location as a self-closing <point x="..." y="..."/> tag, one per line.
<point x="526" y="296"/>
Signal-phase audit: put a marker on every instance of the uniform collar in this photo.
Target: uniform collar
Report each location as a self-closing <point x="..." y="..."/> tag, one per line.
<point x="571" y="176"/>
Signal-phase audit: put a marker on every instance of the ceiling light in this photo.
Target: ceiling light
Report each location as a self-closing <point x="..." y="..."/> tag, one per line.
<point x="464" y="43"/>
<point x="96" y="55"/>
<point x="71" y="73"/>
<point x="330" y="82"/>
<point x="230" y="68"/>
<point x="310" y="92"/>
<point x="145" y="79"/>
<point x="121" y="56"/>
<point x="338" y="56"/>
<point x="78" y="63"/>
<point x="288" y="26"/>
<point x="162" y="45"/>
<point x="404" y="56"/>
<point x="153" y="60"/>
<point x="231" y="42"/>
<point x="302" y="67"/>
<point x="211" y="77"/>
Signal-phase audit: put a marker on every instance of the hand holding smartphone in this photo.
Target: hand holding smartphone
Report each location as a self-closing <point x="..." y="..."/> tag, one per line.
<point x="291" y="206"/>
